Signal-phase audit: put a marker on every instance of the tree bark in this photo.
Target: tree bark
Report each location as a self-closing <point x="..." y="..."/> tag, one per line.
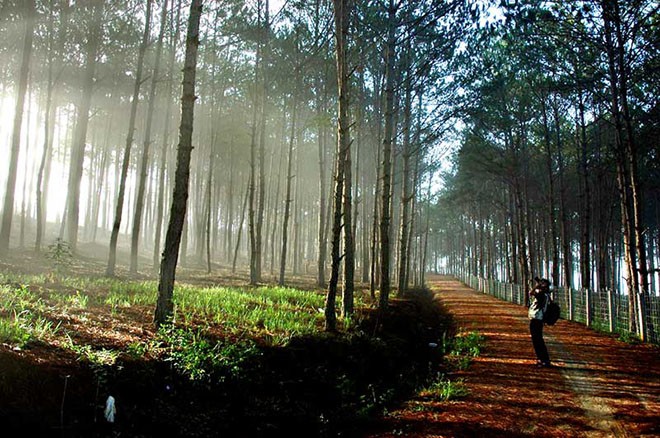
<point x="322" y="244"/>
<point x="80" y="134"/>
<point x="388" y="140"/>
<point x="288" y="200"/>
<point x="142" y="180"/>
<point x="406" y="196"/>
<point x="49" y="122"/>
<point x="166" y="135"/>
<point x="8" y="209"/>
<point x="165" y="304"/>
<point x="114" y="236"/>
<point x="262" y="149"/>
<point x="342" y="10"/>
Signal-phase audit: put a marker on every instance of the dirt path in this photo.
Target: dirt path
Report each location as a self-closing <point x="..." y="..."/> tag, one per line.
<point x="600" y="387"/>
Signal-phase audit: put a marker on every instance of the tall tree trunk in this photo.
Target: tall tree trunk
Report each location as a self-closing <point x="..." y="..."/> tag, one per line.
<point x="8" y="210"/>
<point x="253" y="199"/>
<point x="635" y="252"/>
<point x="166" y="135"/>
<point x="349" y="236"/>
<point x="322" y="244"/>
<point x="297" y="253"/>
<point x="342" y="10"/>
<point x="100" y="179"/>
<point x="552" y="215"/>
<point x="126" y="161"/>
<point x="80" y="134"/>
<point x="585" y="197"/>
<point x="258" y="255"/>
<point x="142" y="180"/>
<point x="49" y="122"/>
<point x="288" y="200"/>
<point x="209" y="193"/>
<point x="230" y="203"/>
<point x="165" y="304"/>
<point x="406" y="196"/>
<point x="240" y="226"/>
<point x="388" y="140"/>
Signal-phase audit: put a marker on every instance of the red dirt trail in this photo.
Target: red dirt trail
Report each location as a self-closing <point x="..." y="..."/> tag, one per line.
<point x="599" y="387"/>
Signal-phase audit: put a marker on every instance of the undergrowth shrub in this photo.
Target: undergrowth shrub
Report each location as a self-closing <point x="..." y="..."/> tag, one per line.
<point x="198" y="357"/>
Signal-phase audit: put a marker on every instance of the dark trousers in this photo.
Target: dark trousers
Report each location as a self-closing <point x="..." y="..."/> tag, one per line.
<point x="536" y="330"/>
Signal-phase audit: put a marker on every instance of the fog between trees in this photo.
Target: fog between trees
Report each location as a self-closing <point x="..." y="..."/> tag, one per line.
<point x="318" y="133"/>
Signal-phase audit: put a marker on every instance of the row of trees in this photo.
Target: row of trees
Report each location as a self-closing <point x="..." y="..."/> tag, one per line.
<point x="558" y="169"/>
<point x="100" y="81"/>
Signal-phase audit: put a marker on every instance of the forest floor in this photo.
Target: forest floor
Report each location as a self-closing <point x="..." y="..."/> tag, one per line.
<point x="92" y="345"/>
<point x="598" y="387"/>
<point x="320" y="385"/>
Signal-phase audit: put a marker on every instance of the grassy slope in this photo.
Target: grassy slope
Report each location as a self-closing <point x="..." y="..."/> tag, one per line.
<point x="237" y="362"/>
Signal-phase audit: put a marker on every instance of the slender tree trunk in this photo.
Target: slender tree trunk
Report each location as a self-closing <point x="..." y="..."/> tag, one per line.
<point x="388" y="140"/>
<point x="209" y="204"/>
<point x="585" y="196"/>
<point x="229" y="227"/>
<point x="144" y="163"/>
<point x="165" y="304"/>
<point x="554" y="239"/>
<point x="258" y="256"/>
<point x="296" y="214"/>
<point x="240" y="227"/>
<point x="166" y="135"/>
<point x="8" y="210"/>
<point x="49" y="121"/>
<point x="100" y="180"/>
<point x="288" y="200"/>
<point x="406" y="197"/>
<point x="114" y="236"/>
<point x="349" y="236"/>
<point x="342" y="9"/>
<point x="80" y="134"/>
<point x="252" y="213"/>
<point x="322" y="244"/>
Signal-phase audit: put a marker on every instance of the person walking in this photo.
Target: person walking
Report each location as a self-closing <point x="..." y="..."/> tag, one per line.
<point x="538" y="301"/>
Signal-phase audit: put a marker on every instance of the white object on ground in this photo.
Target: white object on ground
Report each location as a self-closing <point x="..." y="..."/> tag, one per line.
<point x="110" y="409"/>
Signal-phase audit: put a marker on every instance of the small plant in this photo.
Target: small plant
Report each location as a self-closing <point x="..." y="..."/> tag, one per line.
<point x="137" y="349"/>
<point x="197" y="357"/>
<point x="629" y="338"/>
<point x="60" y="254"/>
<point x="99" y="358"/>
<point x="445" y="389"/>
<point x="467" y="344"/>
<point x="13" y="332"/>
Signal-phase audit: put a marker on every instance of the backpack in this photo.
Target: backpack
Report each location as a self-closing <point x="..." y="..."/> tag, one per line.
<point x="551" y="313"/>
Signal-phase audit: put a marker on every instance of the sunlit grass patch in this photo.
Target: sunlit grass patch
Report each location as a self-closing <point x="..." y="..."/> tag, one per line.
<point x="21" y="328"/>
<point x="445" y="389"/>
<point x="21" y="316"/>
<point x="279" y="312"/>
<point x="132" y="293"/>
<point x="14" y="332"/>
<point x="67" y="299"/>
<point x="98" y="357"/>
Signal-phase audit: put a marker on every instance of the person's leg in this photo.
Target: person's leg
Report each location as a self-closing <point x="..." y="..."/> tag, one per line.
<point x="536" y="330"/>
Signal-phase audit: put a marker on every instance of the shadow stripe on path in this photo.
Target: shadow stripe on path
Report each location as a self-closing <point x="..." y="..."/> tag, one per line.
<point x="600" y="387"/>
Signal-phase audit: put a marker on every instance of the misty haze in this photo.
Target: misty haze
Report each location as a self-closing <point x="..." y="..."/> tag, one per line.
<point x="329" y="218"/>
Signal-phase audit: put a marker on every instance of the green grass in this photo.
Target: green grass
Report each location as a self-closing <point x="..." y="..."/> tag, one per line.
<point x="22" y="317"/>
<point x="444" y="389"/>
<point x="13" y="332"/>
<point x="97" y="357"/>
<point x="198" y="357"/>
<point x="273" y="315"/>
<point x="467" y="344"/>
